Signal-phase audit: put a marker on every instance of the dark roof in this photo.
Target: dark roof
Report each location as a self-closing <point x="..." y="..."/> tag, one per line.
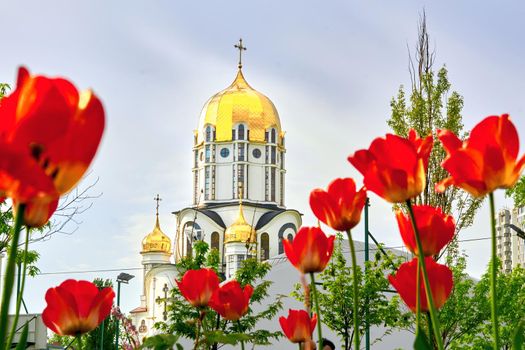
<point x="267" y="217"/>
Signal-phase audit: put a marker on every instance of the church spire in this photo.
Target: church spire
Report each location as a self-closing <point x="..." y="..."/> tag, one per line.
<point x="241" y="49"/>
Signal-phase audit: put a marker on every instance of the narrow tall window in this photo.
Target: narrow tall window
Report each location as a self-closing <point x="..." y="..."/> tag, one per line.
<point x="273" y="184"/>
<point x="281" y="188"/>
<point x="265" y="246"/>
<point x="240" y="132"/>
<point x="215" y="243"/>
<point x="207" y="183"/>
<point x="240" y="180"/>
<point x="209" y="134"/>
<point x="241" y="148"/>
<point x="273" y="135"/>
<point x="266" y="183"/>
<point x="207" y="153"/>
<point x="195" y="187"/>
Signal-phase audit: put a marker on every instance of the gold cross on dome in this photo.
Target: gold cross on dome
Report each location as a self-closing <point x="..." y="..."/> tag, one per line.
<point x="157" y="199"/>
<point x="241" y="48"/>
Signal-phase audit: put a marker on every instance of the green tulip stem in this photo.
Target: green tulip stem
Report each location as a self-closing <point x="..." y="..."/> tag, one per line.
<point x="10" y="275"/>
<point x="356" y="291"/>
<point x="240" y="329"/>
<point x="23" y="282"/>
<point x="79" y="341"/>
<point x="428" y="290"/>
<point x="199" y="324"/>
<point x="494" y="274"/>
<point x="316" y="302"/>
<point x="418" y="300"/>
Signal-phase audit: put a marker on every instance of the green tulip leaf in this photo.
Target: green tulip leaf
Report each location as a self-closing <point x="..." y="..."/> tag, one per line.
<point x="22" y="342"/>
<point x="518" y="339"/>
<point x="421" y="342"/>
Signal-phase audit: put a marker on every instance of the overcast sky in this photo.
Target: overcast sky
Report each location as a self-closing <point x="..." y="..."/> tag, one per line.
<point x="330" y="70"/>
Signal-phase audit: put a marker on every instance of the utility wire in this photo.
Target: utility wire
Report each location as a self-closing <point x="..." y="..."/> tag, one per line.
<point x="275" y="260"/>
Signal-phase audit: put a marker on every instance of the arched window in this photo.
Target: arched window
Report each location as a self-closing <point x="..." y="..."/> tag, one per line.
<point x="215" y="240"/>
<point x="209" y="134"/>
<point x="273" y="136"/>
<point x="265" y="246"/>
<point x="289" y="236"/>
<point x="240" y="132"/>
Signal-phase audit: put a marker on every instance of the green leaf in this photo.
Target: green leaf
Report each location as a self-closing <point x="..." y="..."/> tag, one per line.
<point x="421" y="342"/>
<point x="22" y="342"/>
<point x="518" y="339"/>
<point x="160" y="342"/>
<point x="222" y="338"/>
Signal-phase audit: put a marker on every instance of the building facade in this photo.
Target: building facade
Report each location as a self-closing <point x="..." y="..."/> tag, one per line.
<point x="510" y="246"/>
<point x="238" y="180"/>
<point x="238" y="196"/>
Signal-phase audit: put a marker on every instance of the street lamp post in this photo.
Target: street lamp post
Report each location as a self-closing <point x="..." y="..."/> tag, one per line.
<point x="519" y="232"/>
<point x="121" y="278"/>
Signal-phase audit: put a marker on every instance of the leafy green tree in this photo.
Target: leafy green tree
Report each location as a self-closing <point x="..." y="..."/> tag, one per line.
<point x="182" y="318"/>
<point x="511" y="312"/>
<point x="336" y="298"/>
<point x="431" y="106"/>
<point x="517" y="193"/>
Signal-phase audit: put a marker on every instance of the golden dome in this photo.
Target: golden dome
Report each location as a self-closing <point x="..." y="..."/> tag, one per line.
<point x="238" y="103"/>
<point x="240" y="230"/>
<point x="156" y="241"/>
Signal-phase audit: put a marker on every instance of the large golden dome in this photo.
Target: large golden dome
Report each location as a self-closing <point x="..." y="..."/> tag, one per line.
<point x="156" y="241"/>
<point x="240" y="230"/>
<point x="239" y="102"/>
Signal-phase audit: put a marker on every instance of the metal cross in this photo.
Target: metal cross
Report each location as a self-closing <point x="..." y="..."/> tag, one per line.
<point x="241" y="48"/>
<point x="158" y="199"/>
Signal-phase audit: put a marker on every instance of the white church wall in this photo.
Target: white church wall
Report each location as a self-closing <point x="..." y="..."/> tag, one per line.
<point x="256" y="185"/>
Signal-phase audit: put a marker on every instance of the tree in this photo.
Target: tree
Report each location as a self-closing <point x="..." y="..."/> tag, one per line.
<point x="433" y="106"/>
<point x="336" y="299"/>
<point x="511" y="311"/>
<point x="182" y="318"/>
<point x="517" y="193"/>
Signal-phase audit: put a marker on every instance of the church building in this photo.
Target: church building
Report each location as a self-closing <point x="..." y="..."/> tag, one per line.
<point x="238" y="205"/>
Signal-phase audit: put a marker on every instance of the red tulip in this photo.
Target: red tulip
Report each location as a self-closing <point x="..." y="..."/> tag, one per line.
<point x="310" y="250"/>
<point x="298" y="327"/>
<point x="394" y="167"/>
<point x="440" y="278"/>
<point x="76" y="307"/>
<point x="435" y="229"/>
<point x="38" y="211"/>
<point x="197" y="286"/>
<point x="47" y="126"/>
<point x="231" y="301"/>
<point x="340" y="206"/>
<point x="486" y="161"/>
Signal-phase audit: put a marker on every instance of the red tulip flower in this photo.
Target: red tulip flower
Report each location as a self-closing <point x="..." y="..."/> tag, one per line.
<point x="49" y="133"/>
<point x="440" y="278"/>
<point x="340" y="206"/>
<point x="310" y="250"/>
<point x="298" y="327"/>
<point x="38" y="211"/>
<point x="394" y="167"/>
<point x="486" y="161"/>
<point x="435" y="229"/>
<point x="76" y="307"/>
<point x="231" y="301"/>
<point x="197" y="286"/>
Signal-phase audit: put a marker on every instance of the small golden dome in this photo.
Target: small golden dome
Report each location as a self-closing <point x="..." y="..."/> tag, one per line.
<point x="239" y="103"/>
<point x="156" y="241"/>
<point x="240" y="230"/>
